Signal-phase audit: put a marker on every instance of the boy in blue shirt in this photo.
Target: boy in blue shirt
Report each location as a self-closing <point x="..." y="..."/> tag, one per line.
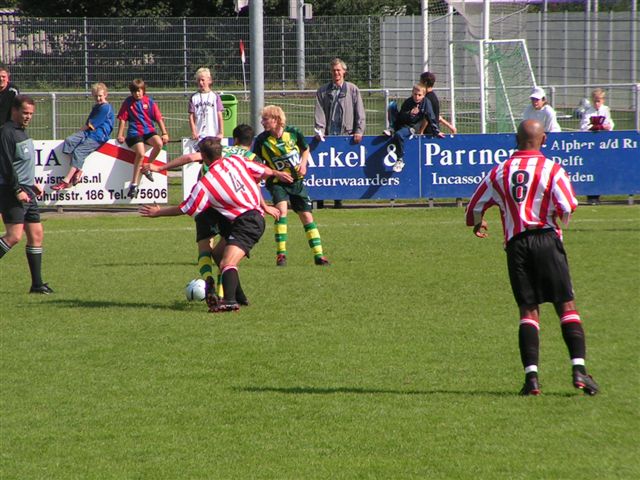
<point x="96" y="131"/>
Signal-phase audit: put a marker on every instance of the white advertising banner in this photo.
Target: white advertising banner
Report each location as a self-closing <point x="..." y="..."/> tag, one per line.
<point x="105" y="179"/>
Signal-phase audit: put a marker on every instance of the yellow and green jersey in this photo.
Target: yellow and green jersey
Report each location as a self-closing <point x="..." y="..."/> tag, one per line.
<point x="232" y="150"/>
<point x="284" y="153"/>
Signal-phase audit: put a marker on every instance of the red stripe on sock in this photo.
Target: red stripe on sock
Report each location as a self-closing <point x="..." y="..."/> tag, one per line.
<point x="571" y="316"/>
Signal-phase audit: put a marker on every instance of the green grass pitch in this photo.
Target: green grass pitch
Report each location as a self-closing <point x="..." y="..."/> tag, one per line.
<point x="399" y="361"/>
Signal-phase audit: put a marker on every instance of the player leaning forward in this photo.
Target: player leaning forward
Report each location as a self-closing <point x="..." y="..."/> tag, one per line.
<point x="532" y="193"/>
<point x="230" y="188"/>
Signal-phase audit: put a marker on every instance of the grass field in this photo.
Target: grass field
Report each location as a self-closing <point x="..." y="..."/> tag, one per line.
<point x="398" y="361"/>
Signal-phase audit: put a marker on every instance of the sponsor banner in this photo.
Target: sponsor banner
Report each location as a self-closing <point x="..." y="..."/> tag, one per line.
<point x="106" y="176"/>
<point x="341" y="169"/>
<point x="598" y="163"/>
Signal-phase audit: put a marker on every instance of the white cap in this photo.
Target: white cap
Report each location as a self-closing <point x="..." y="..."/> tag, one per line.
<point x="537" y="93"/>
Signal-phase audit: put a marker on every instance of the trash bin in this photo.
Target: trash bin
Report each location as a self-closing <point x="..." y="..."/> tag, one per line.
<point x="229" y="113"/>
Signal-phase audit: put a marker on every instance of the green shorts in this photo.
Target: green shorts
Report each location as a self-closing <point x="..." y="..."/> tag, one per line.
<point x="295" y="192"/>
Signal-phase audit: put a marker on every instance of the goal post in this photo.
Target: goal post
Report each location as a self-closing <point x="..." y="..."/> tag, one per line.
<point x="502" y="71"/>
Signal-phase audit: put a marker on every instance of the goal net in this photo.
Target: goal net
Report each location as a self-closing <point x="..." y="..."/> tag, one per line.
<point x="503" y="85"/>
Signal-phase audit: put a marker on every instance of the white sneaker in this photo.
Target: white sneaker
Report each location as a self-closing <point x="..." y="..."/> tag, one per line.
<point x="398" y="166"/>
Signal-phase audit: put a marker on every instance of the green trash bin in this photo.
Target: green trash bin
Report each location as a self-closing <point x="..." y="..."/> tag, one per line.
<point x="229" y="113"/>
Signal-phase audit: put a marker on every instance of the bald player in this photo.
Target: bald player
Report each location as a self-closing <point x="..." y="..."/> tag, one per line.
<point x="532" y="193"/>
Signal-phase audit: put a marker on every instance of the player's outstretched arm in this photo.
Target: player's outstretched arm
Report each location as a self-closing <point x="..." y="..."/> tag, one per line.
<point x="155" y="210"/>
<point x="282" y="176"/>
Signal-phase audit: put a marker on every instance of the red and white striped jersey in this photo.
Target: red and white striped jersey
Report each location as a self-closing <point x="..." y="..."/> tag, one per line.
<point x="230" y="186"/>
<point x="531" y="191"/>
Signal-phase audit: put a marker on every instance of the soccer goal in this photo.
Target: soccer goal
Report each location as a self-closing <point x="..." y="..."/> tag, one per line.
<point x="502" y="71"/>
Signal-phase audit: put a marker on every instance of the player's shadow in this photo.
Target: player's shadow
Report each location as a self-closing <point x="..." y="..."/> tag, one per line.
<point x="142" y="263"/>
<point x="384" y="391"/>
<point x="180" y="306"/>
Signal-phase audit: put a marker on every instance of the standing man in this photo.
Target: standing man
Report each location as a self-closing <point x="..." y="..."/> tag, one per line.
<point x="18" y="190"/>
<point x="8" y="92"/>
<point x="339" y="108"/>
<point x="532" y="193"/>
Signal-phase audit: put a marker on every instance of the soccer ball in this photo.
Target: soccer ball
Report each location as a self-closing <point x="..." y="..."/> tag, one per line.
<point x="195" y="290"/>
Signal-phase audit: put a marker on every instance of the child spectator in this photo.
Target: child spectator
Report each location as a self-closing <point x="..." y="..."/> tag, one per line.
<point x="205" y="109"/>
<point x="412" y="119"/>
<point x="597" y="116"/>
<point x="95" y="132"/>
<point x="140" y="111"/>
<point x="541" y="111"/>
<point x="429" y="80"/>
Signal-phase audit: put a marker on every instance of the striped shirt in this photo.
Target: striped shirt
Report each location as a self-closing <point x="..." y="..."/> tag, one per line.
<point x="140" y="114"/>
<point x="230" y="186"/>
<point x="531" y="192"/>
<point x="283" y="154"/>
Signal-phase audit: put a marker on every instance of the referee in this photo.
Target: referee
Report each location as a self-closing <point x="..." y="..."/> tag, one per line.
<point x="532" y="193"/>
<point x="18" y="190"/>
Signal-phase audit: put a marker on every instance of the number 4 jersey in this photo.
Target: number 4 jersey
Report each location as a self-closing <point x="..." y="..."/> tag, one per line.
<point x="229" y="187"/>
<point x="531" y="191"/>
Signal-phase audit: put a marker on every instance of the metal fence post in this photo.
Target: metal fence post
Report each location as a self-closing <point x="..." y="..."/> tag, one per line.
<point x="385" y="93"/>
<point x="184" y="53"/>
<point x="86" y="56"/>
<point x="54" y="127"/>
<point x="637" y="102"/>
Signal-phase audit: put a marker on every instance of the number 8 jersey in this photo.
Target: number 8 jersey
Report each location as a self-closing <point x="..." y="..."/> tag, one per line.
<point x="531" y="191"/>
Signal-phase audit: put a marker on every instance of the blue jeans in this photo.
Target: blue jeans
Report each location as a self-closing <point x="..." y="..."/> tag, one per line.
<point x="79" y="147"/>
<point x="401" y="136"/>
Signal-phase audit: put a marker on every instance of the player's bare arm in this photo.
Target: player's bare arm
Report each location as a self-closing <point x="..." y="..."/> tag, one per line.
<point x="481" y="229"/>
<point x="175" y="163"/>
<point x="304" y="160"/>
<point x="154" y="211"/>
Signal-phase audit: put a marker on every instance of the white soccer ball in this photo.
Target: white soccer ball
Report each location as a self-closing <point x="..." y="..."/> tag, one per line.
<point x="195" y="290"/>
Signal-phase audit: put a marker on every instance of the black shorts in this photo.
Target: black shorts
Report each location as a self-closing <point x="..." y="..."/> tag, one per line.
<point x="538" y="268"/>
<point x="131" y="141"/>
<point x="207" y="224"/>
<point x="296" y="192"/>
<point x="245" y="231"/>
<point x="14" y="211"/>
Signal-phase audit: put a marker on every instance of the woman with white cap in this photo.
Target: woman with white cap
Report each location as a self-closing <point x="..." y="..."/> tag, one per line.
<point x="541" y="111"/>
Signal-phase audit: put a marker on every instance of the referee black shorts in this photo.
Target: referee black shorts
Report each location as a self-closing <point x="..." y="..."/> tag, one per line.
<point x="13" y="211"/>
<point x="245" y="231"/>
<point x="538" y="268"/>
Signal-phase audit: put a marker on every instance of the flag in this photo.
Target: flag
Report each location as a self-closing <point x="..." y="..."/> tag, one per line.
<point x="242" y="57"/>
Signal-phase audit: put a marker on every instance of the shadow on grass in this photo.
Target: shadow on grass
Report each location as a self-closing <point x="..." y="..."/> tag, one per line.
<point x="77" y="303"/>
<point x="143" y="263"/>
<point x="382" y="391"/>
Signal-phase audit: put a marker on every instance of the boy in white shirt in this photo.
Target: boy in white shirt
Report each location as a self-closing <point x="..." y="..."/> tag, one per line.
<point x="205" y="109"/>
<point x="597" y="116"/>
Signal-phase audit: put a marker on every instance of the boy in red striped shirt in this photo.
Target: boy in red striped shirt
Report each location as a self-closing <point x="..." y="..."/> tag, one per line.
<point x="230" y="188"/>
<point x="532" y="192"/>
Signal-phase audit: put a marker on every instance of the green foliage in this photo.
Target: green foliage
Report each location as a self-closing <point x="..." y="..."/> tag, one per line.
<point x="398" y="361"/>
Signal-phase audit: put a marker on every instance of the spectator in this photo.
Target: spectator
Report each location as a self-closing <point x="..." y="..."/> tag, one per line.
<point x="140" y="111"/>
<point x="8" y="92"/>
<point x="205" y="109"/>
<point x="93" y="134"/>
<point x="429" y="80"/>
<point x="339" y="108"/>
<point x="597" y="116"/>
<point x="541" y="111"/>
<point x="411" y="120"/>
